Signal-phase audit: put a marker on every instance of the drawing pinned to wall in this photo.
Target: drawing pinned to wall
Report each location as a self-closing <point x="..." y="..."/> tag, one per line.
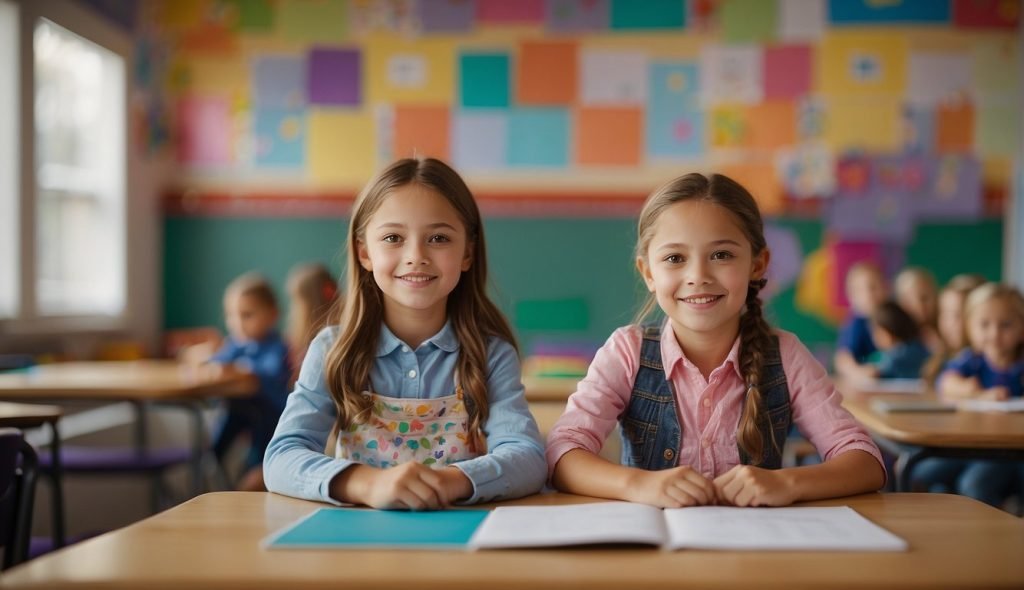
<point x="613" y="77"/>
<point x="421" y="130"/>
<point x="801" y="20"/>
<point x="203" y="131"/>
<point x="875" y="12"/>
<point x="503" y="12"/>
<point x="904" y="175"/>
<point x="853" y="174"/>
<point x="748" y="21"/>
<point x="314" y="21"/>
<point x="868" y="124"/>
<point x="877" y="215"/>
<point x="731" y="74"/>
<point x="649" y="14"/>
<point x="250" y="16"/>
<point x="546" y="73"/>
<point x="480" y="140"/>
<point x="372" y="16"/>
<point x="334" y="77"/>
<point x="609" y="136"/>
<point x="728" y="126"/>
<point x="445" y="16"/>
<point x="987" y="14"/>
<point x="675" y="123"/>
<point x="938" y="77"/>
<point x="918" y="129"/>
<point x="787" y="72"/>
<point x="807" y="171"/>
<point x="787" y="256"/>
<point x="402" y="70"/>
<point x="575" y="16"/>
<point x="954" y="127"/>
<point x="484" y="79"/>
<point x="279" y="82"/>
<point x="859" y="64"/>
<point x="342" y="147"/>
<point x="953" y="190"/>
<point x="280" y="136"/>
<point x="538" y="137"/>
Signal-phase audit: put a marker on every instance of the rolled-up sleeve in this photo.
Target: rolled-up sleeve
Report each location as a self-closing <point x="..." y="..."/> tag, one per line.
<point x="295" y="463"/>
<point x="514" y="464"/>
<point x="593" y="411"/>
<point x="817" y="405"/>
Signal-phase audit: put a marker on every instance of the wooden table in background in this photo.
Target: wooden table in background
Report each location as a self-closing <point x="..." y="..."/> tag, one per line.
<point x="213" y="541"/>
<point x="138" y="382"/>
<point x="915" y="436"/>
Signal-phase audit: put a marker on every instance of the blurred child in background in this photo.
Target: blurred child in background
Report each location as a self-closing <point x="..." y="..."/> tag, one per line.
<point x="313" y="295"/>
<point x="253" y="346"/>
<point x="950" y="323"/>
<point x="865" y="290"/>
<point x="898" y="337"/>
<point x="918" y="295"/>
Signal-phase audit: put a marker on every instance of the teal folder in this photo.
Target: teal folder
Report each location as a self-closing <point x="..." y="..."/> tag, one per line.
<point x="360" y="528"/>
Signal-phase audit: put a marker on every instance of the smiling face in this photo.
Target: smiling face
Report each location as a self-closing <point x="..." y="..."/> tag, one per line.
<point x="699" y="265"/>
<point x="416" y="246"/>
<point x="995" y="329"/>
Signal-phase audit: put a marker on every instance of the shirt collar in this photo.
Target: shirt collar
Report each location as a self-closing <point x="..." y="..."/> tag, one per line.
<point x="672" y="354"/>
<point x="445" y="340"/>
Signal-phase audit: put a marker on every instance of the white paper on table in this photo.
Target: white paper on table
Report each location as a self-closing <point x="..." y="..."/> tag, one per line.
<point x="989" y="405"/>
<point x="575" y="524"/>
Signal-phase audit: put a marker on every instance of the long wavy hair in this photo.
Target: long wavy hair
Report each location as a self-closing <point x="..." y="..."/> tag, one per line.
<point x="755" y="333"/>
<point x="473" y="316"/>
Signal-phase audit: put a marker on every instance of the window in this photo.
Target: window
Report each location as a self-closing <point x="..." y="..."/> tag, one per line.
<point x="63" y="169"/>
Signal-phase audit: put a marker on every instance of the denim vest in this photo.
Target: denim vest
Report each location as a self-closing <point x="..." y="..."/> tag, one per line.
<point x="651" y="429"/>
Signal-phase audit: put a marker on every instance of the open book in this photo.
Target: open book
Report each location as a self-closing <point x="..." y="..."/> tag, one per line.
<point x="985" y="405"/>
<point x="838" y="528"/>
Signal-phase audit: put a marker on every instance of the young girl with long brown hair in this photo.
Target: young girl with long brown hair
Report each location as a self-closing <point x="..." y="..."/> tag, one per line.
<point x="706" y="398"/>
<point x="421" y="381"/>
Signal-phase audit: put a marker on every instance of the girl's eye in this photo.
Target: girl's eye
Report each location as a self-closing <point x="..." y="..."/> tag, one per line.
<point x="391" y="238"/>
<point x="438" y="238"/>
<point x="674" y="259"/>
<point x="722" y="255"/>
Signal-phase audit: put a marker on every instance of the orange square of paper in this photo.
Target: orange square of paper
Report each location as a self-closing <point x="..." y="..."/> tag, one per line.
<point x="762" y="182"/>
<point x="771" y="125"/>
<point x="421" y="131"/>
<point x="954" y="127"/>
<point x="609" y="136"/>
<point x="546" y="73"/>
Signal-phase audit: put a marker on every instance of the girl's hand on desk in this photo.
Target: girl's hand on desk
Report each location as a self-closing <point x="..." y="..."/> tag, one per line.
<point x="670" y="488"/>
<point x="409" y="486"/>
<point x="997" y="393"/>
<point x="455" y="483"/>
<point x="746" y="485"/>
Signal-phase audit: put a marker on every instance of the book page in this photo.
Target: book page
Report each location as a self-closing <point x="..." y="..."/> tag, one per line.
<point x="987" y="405"/>
<point x="575" y="524"/>
<point x="838" y="528"/>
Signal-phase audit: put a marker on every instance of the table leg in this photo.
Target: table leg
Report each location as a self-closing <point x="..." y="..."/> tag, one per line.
<point x="58" y="488"/>
<point x="905" y="467"/>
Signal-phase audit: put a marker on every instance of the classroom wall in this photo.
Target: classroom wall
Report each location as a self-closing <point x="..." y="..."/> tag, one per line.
<point x="866" y="130"/>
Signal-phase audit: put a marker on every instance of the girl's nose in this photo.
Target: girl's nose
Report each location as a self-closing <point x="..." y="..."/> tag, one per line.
<point x="696" y="273"/>
<point x="416" y="255"/>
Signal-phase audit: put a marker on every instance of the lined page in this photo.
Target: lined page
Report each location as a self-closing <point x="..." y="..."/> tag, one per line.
<point x="575" y="524"/>
<point x="812" y="528"/>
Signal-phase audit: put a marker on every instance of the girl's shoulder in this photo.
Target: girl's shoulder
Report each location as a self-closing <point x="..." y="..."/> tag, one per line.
<point x="325" y="338"/>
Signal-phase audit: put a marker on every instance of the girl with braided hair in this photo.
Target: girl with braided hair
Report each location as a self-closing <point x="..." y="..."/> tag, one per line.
<point x="705" y="397"/>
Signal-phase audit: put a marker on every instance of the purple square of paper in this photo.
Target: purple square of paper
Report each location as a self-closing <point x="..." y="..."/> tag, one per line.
<point x="334" y="77"/>
<point x="445" y="15"/>
<point x="886" y="217"/>
<point x="576" y="15"/>
<point x="953" y="190"/>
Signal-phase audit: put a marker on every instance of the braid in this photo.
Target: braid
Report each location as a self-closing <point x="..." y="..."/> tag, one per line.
<point x="755" y="338"/>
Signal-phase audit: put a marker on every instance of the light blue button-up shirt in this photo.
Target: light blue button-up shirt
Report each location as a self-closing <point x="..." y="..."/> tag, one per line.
<point x="514" y="466"/>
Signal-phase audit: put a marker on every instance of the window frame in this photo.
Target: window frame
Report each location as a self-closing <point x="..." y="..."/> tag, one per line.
<point x="84" y="23"/>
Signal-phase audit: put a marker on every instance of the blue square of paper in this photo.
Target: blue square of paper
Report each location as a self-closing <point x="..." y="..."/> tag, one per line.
<point x="280" y="137"/>
<point x="648" y="14"/>
<point x="538" y="137"/>
<point x="279" y="82"/>
<point x="675" y="123"/>
<point x="483" y="79"/>
<point x="479" y="139"/>
<point x="852" y="12"/>
<point x="364" y="528"/>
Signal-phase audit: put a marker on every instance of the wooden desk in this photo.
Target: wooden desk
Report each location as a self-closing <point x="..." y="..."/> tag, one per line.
<point x="214" y="541"/>
<point x="140" y="382"/>
<point x="915" y="436"/>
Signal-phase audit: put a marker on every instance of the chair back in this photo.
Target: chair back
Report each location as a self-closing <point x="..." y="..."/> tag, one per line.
<point x="18" y="467"/>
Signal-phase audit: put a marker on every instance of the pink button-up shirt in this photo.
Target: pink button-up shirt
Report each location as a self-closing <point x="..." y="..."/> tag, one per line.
<point x="709" y="410"/>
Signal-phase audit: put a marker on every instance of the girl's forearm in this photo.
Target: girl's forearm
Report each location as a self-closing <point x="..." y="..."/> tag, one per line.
<point x="954" y="386"/>
<point x="852" y="472"/>
<point x="581" y="472"/>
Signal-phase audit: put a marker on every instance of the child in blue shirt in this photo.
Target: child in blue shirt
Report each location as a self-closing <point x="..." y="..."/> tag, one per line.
<point x="421" y="382"/>
<point x="253" y="346"/>
<point x="992" y="368"/>
<point x="865" y="290"/>
<point x="898" y="337"/>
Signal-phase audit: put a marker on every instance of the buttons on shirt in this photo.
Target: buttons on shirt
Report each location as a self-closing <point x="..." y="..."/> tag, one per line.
<point x="405" y="348"/>
<point x="412" y="374"/>
<point x="668" y="454"/>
